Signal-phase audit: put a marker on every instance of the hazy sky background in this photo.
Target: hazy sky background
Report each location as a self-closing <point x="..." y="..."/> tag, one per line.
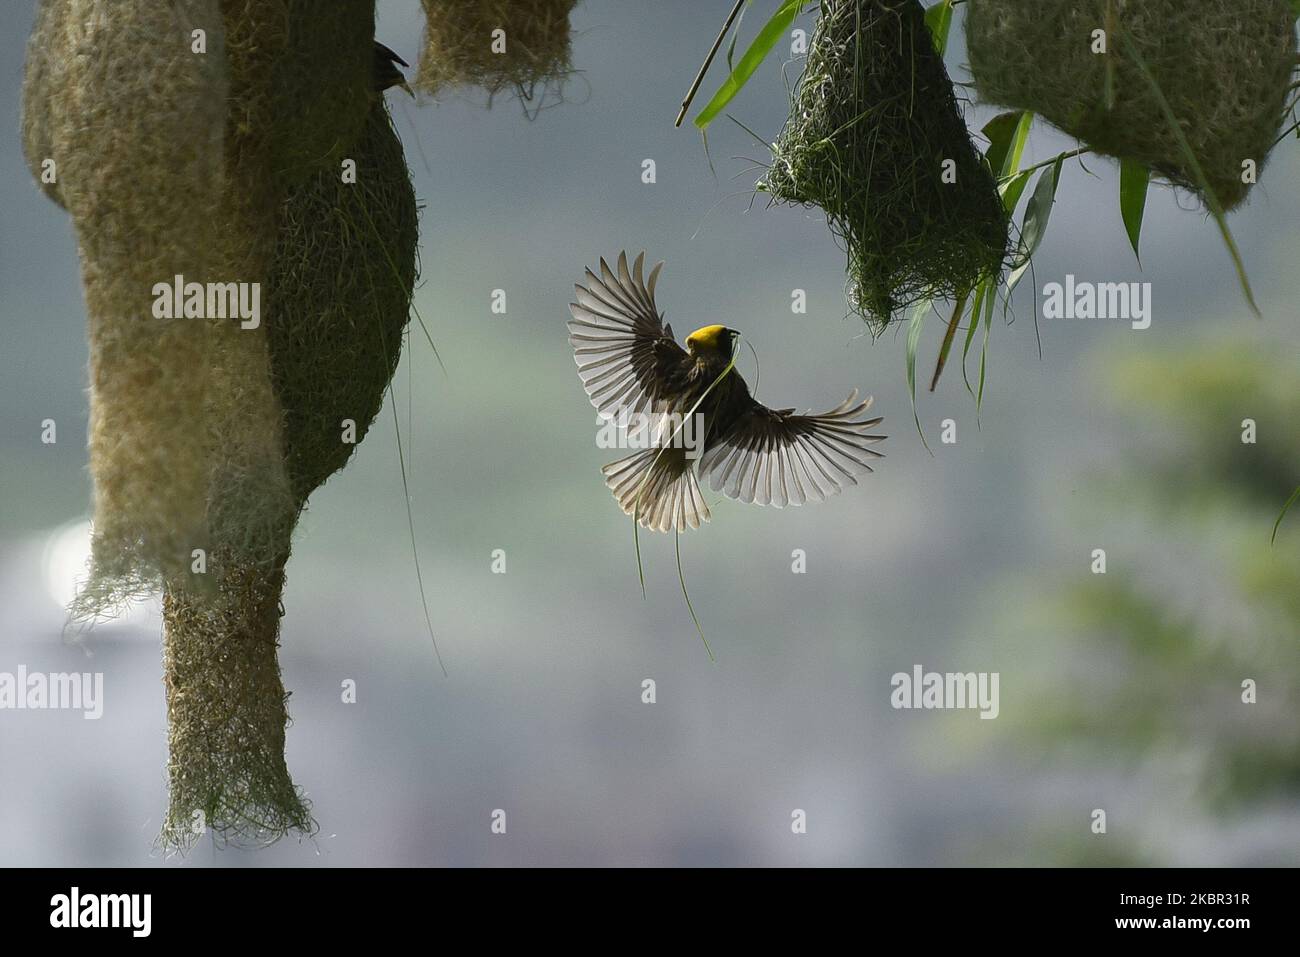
<point x="541" y="714"/>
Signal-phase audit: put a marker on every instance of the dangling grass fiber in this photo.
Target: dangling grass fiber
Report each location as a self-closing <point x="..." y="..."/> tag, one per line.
<point x="873" y="120"/>
<point x="1224" y="66"/>
<point x="1295" y="497"/>
<point x="636" y="511"/>
<point x="681" y="578"/>
<point x="458" y="45"/>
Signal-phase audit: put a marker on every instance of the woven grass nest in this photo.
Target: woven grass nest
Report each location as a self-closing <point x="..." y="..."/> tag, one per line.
<point x="874" y="119"/>
<point x="520" y="45"/>
<point x="207" y="435"/>
<point x="1224" y="68"/>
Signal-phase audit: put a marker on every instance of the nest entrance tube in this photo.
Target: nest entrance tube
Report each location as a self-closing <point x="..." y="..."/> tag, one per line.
<point x="875" y="138"/>
<point x="1223" y="66"/>
<point x="226" y="709"/>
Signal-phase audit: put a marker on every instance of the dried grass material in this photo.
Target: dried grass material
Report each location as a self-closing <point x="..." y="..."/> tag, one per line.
<point x="225" y="704"/>
<point x="173" y="163"/>
<point x="134" y="122"/>
<point x="251" y="508"/>
<point x="345" y="270"/>
<point x="340" y="292"/>
<point x="47" y="52"/>
<point x="458" y="45"/>
<point x="1223" y="65"/>
<point x="227" y="711"/>
<point x="874" y="118"/>
<point x="322" y="85"/>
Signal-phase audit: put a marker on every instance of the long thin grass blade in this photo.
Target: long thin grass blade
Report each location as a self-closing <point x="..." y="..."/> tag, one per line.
<point x="1295" y="496"/>
<point x="984" y="291"/>
<point x="677" y="543"/>
<point x="914" y="326"/>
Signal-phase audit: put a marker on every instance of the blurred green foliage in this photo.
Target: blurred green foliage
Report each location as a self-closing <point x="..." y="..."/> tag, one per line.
<point x="1142" y="668"/>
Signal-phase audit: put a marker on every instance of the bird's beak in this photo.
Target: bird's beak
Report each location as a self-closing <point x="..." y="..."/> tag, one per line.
<point x="407" y="87"/>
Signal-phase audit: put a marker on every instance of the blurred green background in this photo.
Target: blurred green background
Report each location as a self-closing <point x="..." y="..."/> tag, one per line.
<point x="1120" y="692"/>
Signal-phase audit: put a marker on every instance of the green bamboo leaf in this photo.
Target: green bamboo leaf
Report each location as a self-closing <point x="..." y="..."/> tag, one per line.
<point x="999" y="131"/>
<point x="1007" y="133"/>
<point x="984" y="355"/>
<point x="767" y="38"/>
<point x="1012" y="162"/>
<point x="1012" y="190"/>
<point x="1134" y="183"/>
<point x="914" y="326"/>
<point x="949" y="337"/>
<point x="985" y="289"/>
<point x="1037" y="214"/>
<point x="735" y="36"/>
<point x="939" y="19"/>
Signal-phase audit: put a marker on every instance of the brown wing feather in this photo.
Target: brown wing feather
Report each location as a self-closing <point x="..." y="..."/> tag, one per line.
<point x="626" y="357"/>
<point x="774" y="457"/>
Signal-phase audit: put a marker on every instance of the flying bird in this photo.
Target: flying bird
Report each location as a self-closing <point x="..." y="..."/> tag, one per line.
<point x="387" y="74"/>
<point x="631" y="364"/>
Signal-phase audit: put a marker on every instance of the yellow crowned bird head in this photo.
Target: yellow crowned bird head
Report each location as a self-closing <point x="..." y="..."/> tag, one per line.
<point x="711" y="342"/>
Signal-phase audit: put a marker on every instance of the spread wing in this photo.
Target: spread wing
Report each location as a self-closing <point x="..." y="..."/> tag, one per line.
<point x="774" y="457"/>
<point x="627" y="357"/>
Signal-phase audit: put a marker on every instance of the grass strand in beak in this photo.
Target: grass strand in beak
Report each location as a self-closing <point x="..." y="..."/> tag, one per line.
<point x="677" y="546"/>
<point x="636" y="497"/>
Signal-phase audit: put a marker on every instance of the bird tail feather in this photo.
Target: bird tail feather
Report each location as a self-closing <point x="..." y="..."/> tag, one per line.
<point x="658" y="485"/>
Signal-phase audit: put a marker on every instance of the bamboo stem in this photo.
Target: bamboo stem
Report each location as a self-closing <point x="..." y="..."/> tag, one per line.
<point x="708" y="62"/>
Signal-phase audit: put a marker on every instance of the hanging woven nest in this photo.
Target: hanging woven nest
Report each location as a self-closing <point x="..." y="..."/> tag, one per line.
<point x="520" y="45"/>
<point x="1099" y="70"/>
<point x="345" y="268"/>
<point x="224" y="167"/>
<point x="339" y="297"/>
<point x="876" y="140"/>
